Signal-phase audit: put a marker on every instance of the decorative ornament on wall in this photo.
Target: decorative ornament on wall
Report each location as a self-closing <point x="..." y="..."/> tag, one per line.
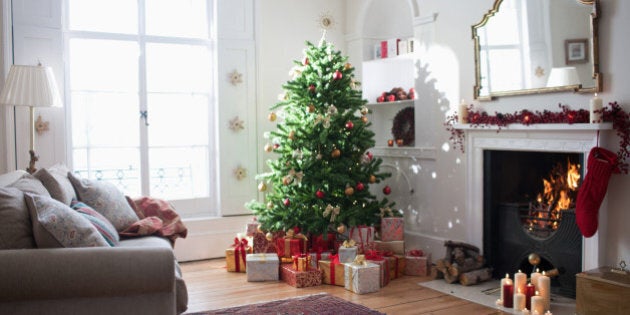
<point x="240" y="173"/>
<point x="235" y="77"/>
<point x="41" y="126"/>
<point x="237" y="124"/>
<point x="539" y="72"/>
<point x="326" y="21"/>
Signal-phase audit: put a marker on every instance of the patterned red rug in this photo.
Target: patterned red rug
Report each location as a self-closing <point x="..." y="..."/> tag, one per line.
<point x="317" y="304"/>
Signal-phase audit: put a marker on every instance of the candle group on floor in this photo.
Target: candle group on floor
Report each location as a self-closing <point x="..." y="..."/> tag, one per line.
<point x="531" y="298"/>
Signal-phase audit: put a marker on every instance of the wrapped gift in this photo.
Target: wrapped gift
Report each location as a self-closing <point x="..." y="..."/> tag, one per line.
<point x="291" y="244"/>
<point x="262" y="267"/>
<point x="262" y="244"/>
<point x="396" y="265"/>
<point x="302" y="262"/>
<point x="318" y="243"/>
<point x="396" y="247"/>
<point x="251" y="227"/>
<point x="417" y="263"/>
<point x="363" y="236"/>
<point x="300" y="279"/>
<point x="383" y="263"/>
<point x="316" y="256"/>
<point x="347" y="251"/>
<point x="361" y="276"/>
<point x="392" y="229"/>
<point x="332" y="271"/>
<point x="236" y="256"/>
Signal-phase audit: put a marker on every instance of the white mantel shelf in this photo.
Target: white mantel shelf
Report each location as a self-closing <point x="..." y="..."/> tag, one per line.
<point x="536" y="127"/>
<point x="424" y="153"/>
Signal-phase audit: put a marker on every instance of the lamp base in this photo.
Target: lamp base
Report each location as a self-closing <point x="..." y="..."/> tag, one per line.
<point x="31" y="164"/>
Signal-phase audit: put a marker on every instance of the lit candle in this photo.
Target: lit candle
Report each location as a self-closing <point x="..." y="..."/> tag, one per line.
<point x="462" y="113"/>
<point x="538" y="304"/>
<point x="525" y="312"/>
<point x="596" y="105"/>
<point x="519" y="301"/>
<point x="534" y="278"/>
<point x="508" y="294"/>
<point x="548" y="313"/>
<point x="544" y="288"/>
<point x="505" y="281"/>
<point x="520" y="281"/>
<point x="529" y="292"/>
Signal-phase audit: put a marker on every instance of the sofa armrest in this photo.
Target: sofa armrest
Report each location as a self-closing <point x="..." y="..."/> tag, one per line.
<point x="34" y="274"/>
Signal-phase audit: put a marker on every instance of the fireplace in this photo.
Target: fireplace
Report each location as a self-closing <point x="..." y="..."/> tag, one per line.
<point x="529" y="201"/>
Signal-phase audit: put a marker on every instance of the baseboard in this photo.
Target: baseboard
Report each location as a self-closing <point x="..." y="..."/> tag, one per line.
<point x="209" y="237"/>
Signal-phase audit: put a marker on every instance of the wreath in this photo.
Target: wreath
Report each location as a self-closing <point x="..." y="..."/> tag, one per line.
<point x="404" y="126"/>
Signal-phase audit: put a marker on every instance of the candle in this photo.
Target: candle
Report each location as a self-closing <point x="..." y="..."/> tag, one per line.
<point x="519" y="301"/>
<point x="596" y="105"/>
<point x="534" y="277"/>
<point x="525" y="312"/>
<point x="529" y="292"/>
<point x="538" y="304"/>
<point x="548" y="313"/>
<point x="462" y="113"/>
<point x="544" y="289"/>
<point x="508" y="294"/>
<point x="505" y="281"/>
<point x="520" y="281"/>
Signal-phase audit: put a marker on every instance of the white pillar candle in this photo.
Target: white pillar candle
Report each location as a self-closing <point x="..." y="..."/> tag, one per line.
<point x="519" y="301"/>
<point x="548" y="313"/>
<point x="520" y="281"/>
<point x="538" y="304"/>
<point x="504" y="281"/>
<point x="544" y="289"/>
<point x="462" y="113"/>
<point x="525" y="312"/>
<point x="534" y="278"/>
<point x="596" y="105"/>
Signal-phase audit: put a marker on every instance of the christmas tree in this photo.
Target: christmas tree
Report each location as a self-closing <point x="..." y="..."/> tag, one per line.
<point x="320" y="180"/>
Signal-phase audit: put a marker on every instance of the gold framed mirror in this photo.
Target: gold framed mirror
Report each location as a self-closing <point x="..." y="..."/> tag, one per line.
<point x="537" y="46"/>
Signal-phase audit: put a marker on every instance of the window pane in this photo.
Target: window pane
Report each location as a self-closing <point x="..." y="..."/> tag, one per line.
<point x="504" y="75"/>
<point x="179" y="173"/>
<point x="119" y="166"/>
<point x="178" y="120"/>
<point x="177" y="18"/>
<point x="103" y="65"/>
<point x="178" y="68"/>
<point x="113" y="16"/>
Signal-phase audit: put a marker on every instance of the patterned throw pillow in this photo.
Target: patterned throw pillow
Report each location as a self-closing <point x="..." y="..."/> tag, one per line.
<point x="57" y="225"/>
<point x="102" y="225"/>
<point x="105" y="198"/>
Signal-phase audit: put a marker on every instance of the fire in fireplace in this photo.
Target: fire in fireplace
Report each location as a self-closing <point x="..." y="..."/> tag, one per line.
<point x="528" y="209"/>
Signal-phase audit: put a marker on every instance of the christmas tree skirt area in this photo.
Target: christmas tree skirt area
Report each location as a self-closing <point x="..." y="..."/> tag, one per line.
<point x="487" y="293"/>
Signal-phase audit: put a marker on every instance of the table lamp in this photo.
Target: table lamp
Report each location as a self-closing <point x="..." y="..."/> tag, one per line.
<point x="563" y="76"/>
<point x="32" y="86"/>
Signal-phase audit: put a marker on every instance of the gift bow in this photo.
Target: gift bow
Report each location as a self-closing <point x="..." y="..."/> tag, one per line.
<point x="240" y="246"/>
<point x="388" y="211"/>
<point x="348" y="243"/>
<point x="359" y="260"/>
<point x="415" y="253"/>
<point x="332" y="211"/>
<point x="334" y="259"/>
<point x="373" y="255"/>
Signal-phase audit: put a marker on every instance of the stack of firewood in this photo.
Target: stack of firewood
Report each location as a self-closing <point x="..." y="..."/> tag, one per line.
<point x="462" y="263"/>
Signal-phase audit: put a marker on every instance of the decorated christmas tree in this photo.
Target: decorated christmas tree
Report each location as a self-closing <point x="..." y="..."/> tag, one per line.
<point x="322" y="169"/>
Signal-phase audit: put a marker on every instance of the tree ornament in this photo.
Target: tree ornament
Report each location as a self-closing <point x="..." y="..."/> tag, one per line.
<point x="287" y="202"/>
<point x="335" y="153"/>
<point x="360" y="186"/>
<point x="387" y="190"/>
<point x="349" y="125"/>
<point x="269" y="205"/>
<point x="311" y="108"/>
<point x="272" y="116"/>
<point x="380" y="99"/>
<point x="305" y="61"/>
<point x="320" y="194"/>
<point x="269" y="236"/>
<point x="391" y="98"/>
<point x="364" y="110"/>
<point x="347" y="66"/>
<point x="341" y="229"/>
<point x="268" y="147"/>
<point x="276" y="145"/>
<point x="287" y="180"/>
<point x="372" y="179"/>
<point x="292" y="135"/>
<point x="364" y="119"/>
<point x="337" y="75"/>
<point x="331" y="211"/>
<point x="258" y="229"/>
<point x="311" y="88"/>
<point x="349" y="191"/>
<point x="262" y="186"/>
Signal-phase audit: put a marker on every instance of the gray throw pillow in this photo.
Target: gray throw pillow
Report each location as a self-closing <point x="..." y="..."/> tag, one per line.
<point x="105" y="198"/>
<point x="56" y="181"/>
<point x="15" y="225"/>
<point x="29" y="183"/>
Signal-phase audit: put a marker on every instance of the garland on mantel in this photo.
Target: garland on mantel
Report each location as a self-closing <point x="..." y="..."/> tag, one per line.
<point x="611" y="113"/>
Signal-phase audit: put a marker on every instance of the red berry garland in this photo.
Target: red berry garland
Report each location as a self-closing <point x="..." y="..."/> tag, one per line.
<point x="404" y="126"/>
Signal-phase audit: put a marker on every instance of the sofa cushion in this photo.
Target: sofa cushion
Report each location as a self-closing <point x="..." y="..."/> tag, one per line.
<point x="102" y="225"/>
<point x="57" y="225"/>
<point x="15" y="225"/>
<point x="55" y="179"/>
<point x="105" y="198"/>
<point x="29" y="183"/>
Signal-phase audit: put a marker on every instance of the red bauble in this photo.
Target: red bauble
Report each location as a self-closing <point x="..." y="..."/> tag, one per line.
<point x="276" y="145"/>
<point x="311" y="88"/>
<point x="305" y="61"/>
<point x="287" y="202"/>
<point x="349" y="125"/>
<point x="320" y="194"/>
<point x="370" y="156"/>
<point x="412" y="94"/>
<point x="391" y="98"/>
<point x="337" y="75"/>
<point x="296" y="230"/>
<point x="360" y="186"/>
<point x="380" y="99"/>
<point x="387" y="190"/>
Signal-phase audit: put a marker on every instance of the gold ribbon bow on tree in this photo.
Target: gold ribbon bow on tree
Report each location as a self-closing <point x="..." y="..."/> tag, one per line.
<point x="359" y="260"/>
<point x="348" y="243"/>
<point x="388" y="211"/>
<point x="332" y="211"/>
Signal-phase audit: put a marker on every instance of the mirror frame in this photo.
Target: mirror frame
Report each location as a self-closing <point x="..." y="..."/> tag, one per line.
<point x="593" y="47"/>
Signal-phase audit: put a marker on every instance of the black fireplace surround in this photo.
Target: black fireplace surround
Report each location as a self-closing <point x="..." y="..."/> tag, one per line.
<point x="512" y="179"/>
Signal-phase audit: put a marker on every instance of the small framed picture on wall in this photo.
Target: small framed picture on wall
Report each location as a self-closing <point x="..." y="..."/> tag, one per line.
<point x="576" y="51"/>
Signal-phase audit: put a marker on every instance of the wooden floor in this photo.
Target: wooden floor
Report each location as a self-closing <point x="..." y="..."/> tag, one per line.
<point x="210" y="286"/>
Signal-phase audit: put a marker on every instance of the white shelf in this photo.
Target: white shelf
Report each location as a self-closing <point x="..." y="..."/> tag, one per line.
<point x="395" y="103"/>
<point x="424" y="153"/>
<point x="537" y="127"/>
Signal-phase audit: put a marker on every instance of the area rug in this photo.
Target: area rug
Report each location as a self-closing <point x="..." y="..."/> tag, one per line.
<point x="316" y="304"/>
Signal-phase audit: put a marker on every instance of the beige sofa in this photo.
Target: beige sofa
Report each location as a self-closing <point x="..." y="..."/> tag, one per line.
<point x="138" y="276"/>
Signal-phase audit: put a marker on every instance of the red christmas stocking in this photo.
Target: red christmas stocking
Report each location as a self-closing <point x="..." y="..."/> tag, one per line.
<point x="601" y="164"/>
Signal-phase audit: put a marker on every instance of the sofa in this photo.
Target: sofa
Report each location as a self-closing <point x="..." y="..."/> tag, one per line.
<point x="47" y="267"/>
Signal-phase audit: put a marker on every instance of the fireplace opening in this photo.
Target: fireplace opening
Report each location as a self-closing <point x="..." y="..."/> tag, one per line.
<point x="529" y="202"/>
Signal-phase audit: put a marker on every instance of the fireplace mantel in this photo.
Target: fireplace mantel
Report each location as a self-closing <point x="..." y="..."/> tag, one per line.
<point x="577" y="138"/>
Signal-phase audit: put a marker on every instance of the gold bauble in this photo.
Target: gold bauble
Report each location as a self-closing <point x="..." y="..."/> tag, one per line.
<point x="262" y="186"/>
<point x="336" y="153"/>
<point x="347" y="66"/>
<point x="269" y="236"/>
<point x="269" y="205"/>
<point x="364" y="119"/>
<point x="311" y="108"/>
<point x="372" y="179"/>
<point x="534" y="259"/>
<point x="286" y="180"/>
<point x="272" y="116"/>
<point x="268" y="147"/>
<point x="349" y="191"/>
<point x="292" y="135"/>
<point x="258" y="229"/>
<point x="341" y="229"/>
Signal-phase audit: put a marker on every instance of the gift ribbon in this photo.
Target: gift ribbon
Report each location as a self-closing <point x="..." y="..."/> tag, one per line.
<point x="240" y="246"/>
<point x="415" y="253"/>
<point x="348" y="243"/>
<point x="334" y="260"/>
<point x="368" y="236"/>
<point x="359" y="260"/>
<point x="391" y="254"/>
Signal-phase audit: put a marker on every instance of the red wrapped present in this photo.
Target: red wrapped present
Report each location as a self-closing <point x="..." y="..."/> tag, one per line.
<point x="396" y="265"/>
<point x="397" y="247"/>
<point x="262" y="244"/>
<point x="291" y="244"/>
<point x="251" y="227"/>
<point x="392" y="229"/>
<point x="300" y="279"/>
<point x="363" y="236"/>
<point x="376" y="258"/>
<point x="332" y="270"/>
<point x="417" y="263"/>
<point x="318" y="243"/>
<point x="236" y="256"/>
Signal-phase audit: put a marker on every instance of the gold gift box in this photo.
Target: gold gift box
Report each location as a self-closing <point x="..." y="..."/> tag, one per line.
<point x="230" y="259"/>
<point x="324" y="266"/>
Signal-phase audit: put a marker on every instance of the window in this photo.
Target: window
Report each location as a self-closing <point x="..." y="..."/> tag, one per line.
<point x="140" y="93"/>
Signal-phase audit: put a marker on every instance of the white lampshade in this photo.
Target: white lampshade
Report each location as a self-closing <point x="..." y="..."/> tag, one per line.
<point x="32" y="86"/>
<point x="563" y="76"/>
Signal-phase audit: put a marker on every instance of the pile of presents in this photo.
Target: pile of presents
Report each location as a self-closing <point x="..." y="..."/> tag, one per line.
<point x="363" y="259"/>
